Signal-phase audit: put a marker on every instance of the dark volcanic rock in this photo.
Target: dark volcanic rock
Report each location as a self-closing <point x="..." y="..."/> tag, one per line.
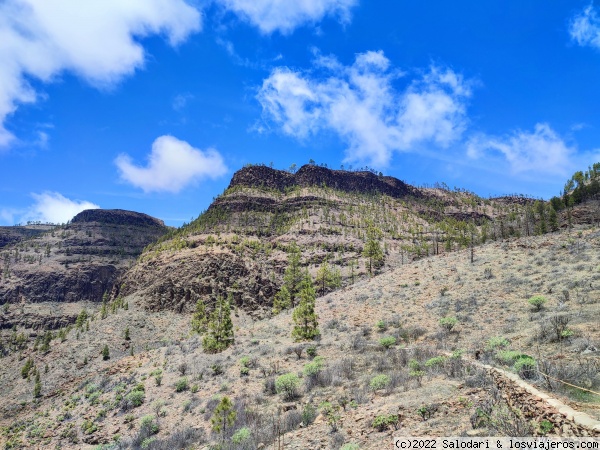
<point x="312" y="175"/>
<point x="117" y="217"/>
<point x="177" y="281"/>
<point x="14" y="234"/>
<point x="77" y="262"/>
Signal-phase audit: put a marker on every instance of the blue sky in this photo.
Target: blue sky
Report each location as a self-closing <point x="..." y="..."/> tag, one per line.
<point x="152" y="105"/>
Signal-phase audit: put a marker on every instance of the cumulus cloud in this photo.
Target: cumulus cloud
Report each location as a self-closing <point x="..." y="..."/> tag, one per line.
<point x="55" y="208"/>
<point x="98" y="40"/>
<point x="284" y="15"/>
<point x="542" y="151"/>
<point x="361" y="105"/>
<point x="585" y="27"/>
<point x="172" y="165"/>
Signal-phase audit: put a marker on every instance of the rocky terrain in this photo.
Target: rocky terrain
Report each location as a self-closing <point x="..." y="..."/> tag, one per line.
<point x="14" y="234"/>
<point x="77" y="262"/>
<point x="85" y="400"/>
<point x="240" y="245"/>
<point x="440" y="336"/>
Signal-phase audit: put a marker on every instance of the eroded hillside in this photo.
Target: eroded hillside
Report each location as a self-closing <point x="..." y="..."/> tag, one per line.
<point x="241" y="244"/>
<point x="383" y="353"/>
<point x="81" y="261"/>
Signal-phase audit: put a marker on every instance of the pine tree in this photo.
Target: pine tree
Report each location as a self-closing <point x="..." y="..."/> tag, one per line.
<point x="324" y="277"/>
<point x="282" y="300"/>
<point x="293" y="274"/>
<point x="37" y="388"/>
<point x="81" y="318"/>
<point x="219" y="335"/>
<point x="105" y="352"/>
<point x="223" y="417"/>
<point x="304" y="317"/>
<point x="199" y="319"/>
<point x="552" y="219"/>
<point x="372" y="249"/>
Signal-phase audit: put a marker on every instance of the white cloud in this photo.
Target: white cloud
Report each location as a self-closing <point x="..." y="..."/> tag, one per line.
<point x="542" y="151"/>
<point x="98" y="40"/>
<point x="585" y="27"/>
<point x="172" y="165"/>
<point x="285" y="15"/>
<point x="361" y="105"/>
<point x="55" y="208"/>
<point x="180" y="101"/>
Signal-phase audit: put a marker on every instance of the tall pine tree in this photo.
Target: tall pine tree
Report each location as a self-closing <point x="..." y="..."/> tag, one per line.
<point x="293" y="273"/>
<point x="219" y="335"/>
<point x="306" y="325"/>
<point x="282" y="300"/>
<point x="372" y="249"/>
<point x="199" y="319"/>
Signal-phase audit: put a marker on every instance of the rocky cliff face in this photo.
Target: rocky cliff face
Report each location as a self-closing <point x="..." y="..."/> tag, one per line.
<point x="312" y="175"/>
<point x="241" y="243"/>
<point x="76" y="262"/>
<point x="12" y="235"/>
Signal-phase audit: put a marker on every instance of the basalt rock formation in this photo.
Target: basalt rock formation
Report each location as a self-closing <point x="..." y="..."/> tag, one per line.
<point x="240" y="244"/>
<point x="80" y="261"/>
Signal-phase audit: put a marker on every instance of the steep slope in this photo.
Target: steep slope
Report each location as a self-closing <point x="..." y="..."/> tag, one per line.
<point x="14" y="234"/>
<point x="240" y="245"/>
<point x="80" y="261"/>
<point x="86" y="400"/>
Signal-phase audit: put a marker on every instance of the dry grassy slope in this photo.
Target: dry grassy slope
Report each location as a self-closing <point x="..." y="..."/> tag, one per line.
<point x="408" y="298"/>
<point x="250" y="227"/>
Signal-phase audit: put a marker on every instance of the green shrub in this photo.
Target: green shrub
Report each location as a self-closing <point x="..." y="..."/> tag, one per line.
<point x="309" y="414"/>
<point x="241" y="436"/>
<point x="181" y="385"/>
<point x="537" y="301"/>
<point x="287" y="385"/>
<point x="135" y="398"/>
<point x="496" y="342"/>
<point x="350" y="446"/>
<point x="415" y="370"/>
<point x="381" y="326"/>
<point x="525" y="367"/>
<point x="149" y="425"/>
<point x="436" y="361"/>
<point x="88" y="427"/>
<point x="311" y="351"/>
<point x="379" y="382"/>
<point x="146" y="442"/>
<point x="545" y="427"/>
<point x="509" y="357"/>
<point x="314" y="367"/>
<point x="447" y="323"/>
<point x="245" y="362"/>
<point x="387" y="341"/>
<point x="381" y="423"/>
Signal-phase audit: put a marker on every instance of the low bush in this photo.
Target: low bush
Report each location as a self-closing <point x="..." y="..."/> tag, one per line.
<point x="314" y="367"/>
<point x="537" y="301"/>
<point x="496" y="342"/>
<point x="383" y="422"/>
<point x="181" y="385"/>
<point x="448" y="323"/>
<point x="379" y="382"/>
<point x="387" y="342"/>
<point x="287" y="386"/>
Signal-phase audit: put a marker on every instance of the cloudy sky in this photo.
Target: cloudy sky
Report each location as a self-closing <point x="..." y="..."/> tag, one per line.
<point x="152" y="105"/>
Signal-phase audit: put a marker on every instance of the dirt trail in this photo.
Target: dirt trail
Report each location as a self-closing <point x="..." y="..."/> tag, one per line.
<point x="538" y="405"/>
